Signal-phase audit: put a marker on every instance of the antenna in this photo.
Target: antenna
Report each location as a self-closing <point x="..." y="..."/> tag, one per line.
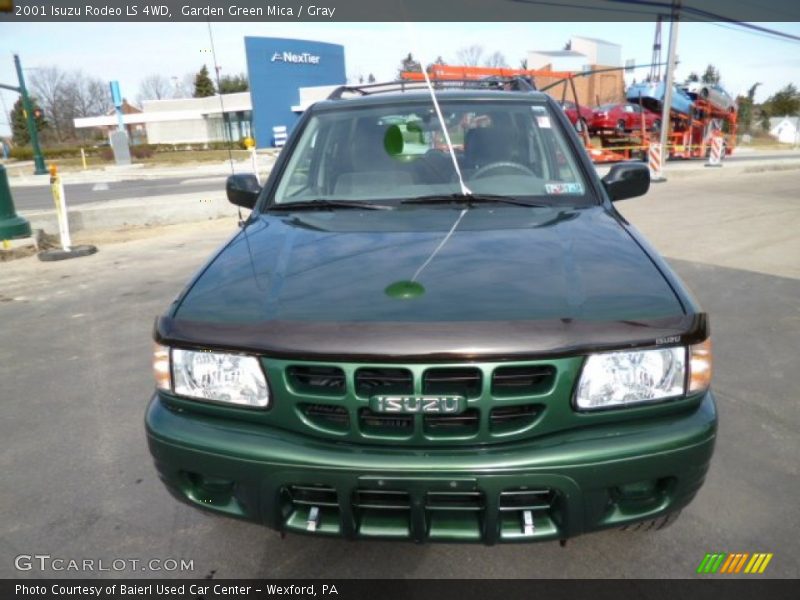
<point x="464" y="189"/>
<point x="222" y="110"/>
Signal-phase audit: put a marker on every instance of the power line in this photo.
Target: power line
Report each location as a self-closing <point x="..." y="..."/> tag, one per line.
<point x="708" y="15"/>
<point x="596" y="8"/>
<point x="731" y="27"/>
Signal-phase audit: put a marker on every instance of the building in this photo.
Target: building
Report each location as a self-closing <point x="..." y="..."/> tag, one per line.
<point x="583" y="55"/>
<point x="198" y="120"/>
<point x="285" y="75"/>
<point x="182" y="120"/>
<point x="785" y="129"/>
<point x="278" y="68"/>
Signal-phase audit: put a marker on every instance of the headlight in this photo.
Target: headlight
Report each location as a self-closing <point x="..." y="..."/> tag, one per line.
<point x="220" y="377"/>
<point x="622" y="378"/>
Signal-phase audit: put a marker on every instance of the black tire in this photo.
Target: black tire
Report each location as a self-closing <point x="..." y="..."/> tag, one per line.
<point x="656" y="524"/>
<point x="621" y="125"/>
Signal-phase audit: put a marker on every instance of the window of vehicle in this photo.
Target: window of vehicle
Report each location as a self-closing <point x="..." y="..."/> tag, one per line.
<point x="398" y="152"/>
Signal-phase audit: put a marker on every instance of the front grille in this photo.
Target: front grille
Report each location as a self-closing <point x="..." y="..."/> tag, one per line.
<point x="381" y="423"/>
<point x="505" y="402"/>
<point x="383" y="381"/>
<point x="452" y="382"/>
<point x="327" y="415"/>
<point x="522" y="381"/>
<point x="466" y="423"/>
<point x="320" y="381"/>
<point x="504" y="419"/>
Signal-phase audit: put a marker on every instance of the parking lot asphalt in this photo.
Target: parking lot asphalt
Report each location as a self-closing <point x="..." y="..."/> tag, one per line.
<point x="77" y="479"/>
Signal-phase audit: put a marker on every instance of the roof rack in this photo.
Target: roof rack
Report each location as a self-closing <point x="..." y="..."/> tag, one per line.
<point x="518" y="84"/>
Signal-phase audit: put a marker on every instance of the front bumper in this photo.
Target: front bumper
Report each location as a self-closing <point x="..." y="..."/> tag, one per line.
<point x="561" y="485"/>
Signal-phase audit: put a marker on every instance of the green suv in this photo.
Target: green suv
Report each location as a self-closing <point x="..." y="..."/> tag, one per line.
<point x="435" y="326"/>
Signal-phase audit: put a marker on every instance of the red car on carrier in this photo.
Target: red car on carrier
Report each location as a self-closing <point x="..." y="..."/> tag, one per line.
<point x="571" y="110"/>
<point x="623" y="117"/>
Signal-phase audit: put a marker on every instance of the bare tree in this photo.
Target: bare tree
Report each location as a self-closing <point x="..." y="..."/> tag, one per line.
<point x="155" y="87"/>
<point x="49" y="85"/>
<point x="68" y="95"/>
<point x="183" y="87"/>
<point x="469" y="56"/>
<point x="496" y="60"/>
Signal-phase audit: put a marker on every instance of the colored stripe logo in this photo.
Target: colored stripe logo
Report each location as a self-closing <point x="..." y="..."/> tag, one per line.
<point x="734" y="562"/>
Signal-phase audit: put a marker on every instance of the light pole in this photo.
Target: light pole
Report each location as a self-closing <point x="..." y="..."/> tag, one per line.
<point x="669" y="80"/>
<point x="38" y="159"/>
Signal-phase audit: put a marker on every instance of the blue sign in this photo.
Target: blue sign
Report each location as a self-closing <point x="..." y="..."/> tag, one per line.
<point x="277" y="68"/>
<point x="116" y="96"/>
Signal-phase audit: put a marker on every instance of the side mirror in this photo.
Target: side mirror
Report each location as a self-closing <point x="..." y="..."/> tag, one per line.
<point x="243" y="189"/>
<point x="627" y="180"/>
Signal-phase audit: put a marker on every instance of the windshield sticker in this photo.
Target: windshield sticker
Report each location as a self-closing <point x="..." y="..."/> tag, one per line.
<point x="538" y="109"/>
<point x="563" y="188"/>
<point x="544" y="122"/>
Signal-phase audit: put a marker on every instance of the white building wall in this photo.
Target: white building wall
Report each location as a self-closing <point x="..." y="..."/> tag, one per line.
<point x="558" y="61"/>
<point x="598" y="52"/>
<point x="787" y="131"/>
<point x="194" y="131"/>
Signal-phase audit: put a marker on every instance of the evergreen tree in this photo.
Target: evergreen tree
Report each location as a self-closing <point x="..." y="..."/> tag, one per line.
<point x="783" y="103"/>
<point x="746" y="105"/>
<point x="203" y="86"/>
<point x="711" y="75"/>
<point x="410" y="64"/>
<point x="231" y="84"/>
<point x="371" y="78"/>
<point x="19" y="125"/>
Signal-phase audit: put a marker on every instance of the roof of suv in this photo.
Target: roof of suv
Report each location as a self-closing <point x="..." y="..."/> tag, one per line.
<point x="392" y="93"/>
<point x="416" y="96"/>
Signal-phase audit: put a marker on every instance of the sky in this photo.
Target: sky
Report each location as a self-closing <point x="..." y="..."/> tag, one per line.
<point x="128" y="52"/>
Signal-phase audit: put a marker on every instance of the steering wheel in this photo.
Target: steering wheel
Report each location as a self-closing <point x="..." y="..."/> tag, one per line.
<point x="503" y="164"/>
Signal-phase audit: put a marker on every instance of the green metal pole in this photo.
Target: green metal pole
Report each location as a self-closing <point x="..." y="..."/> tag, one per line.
<point x="38" y="159"/>
<point x="11" y="225"/>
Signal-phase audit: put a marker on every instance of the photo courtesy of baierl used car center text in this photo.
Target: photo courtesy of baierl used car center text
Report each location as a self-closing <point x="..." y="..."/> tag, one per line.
<point x="399" y="299"/>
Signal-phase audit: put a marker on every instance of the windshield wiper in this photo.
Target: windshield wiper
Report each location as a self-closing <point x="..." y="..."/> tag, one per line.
<point x="322" y="204"/>
<point x="470" y="199"/>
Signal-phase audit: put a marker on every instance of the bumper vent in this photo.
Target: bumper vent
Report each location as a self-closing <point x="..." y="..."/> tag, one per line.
<point x="327" y="415"/>
<point x="383" y="381"/>
<point x="452" y="382"/>
<point x="381" y="500"/>
<point x="320" y="381"/>
<point x="469" y="501"/>
<point x="533" y="500"/>
<point x="522" y="381"/>
<point x="307" y="495"/>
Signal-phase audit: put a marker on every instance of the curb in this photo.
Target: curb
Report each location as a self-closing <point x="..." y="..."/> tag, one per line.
<point x="120" y="214"/>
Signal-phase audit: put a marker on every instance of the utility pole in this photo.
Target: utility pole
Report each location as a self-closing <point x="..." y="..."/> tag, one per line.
<point x="669" y="79"/>
<point x="38" y="159"/>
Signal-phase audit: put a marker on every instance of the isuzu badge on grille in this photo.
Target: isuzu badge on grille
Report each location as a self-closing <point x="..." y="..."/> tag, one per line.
<point x="417" y="404"/>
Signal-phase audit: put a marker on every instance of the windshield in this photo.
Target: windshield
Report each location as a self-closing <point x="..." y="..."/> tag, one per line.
<point x="398" y="152"/>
